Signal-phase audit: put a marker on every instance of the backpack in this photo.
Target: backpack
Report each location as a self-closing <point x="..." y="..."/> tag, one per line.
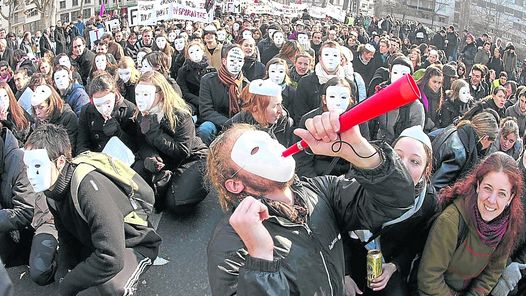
<point x="139" y="204"/>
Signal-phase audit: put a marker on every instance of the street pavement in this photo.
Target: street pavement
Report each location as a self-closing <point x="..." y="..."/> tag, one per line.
<point x="185" y="238"/>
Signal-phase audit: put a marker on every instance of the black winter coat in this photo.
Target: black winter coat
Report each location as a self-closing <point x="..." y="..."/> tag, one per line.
<point x="281" y="130"/>
<point x="308" y="96"/>
<point x="451" y="111"/>
<point x="189" y="80"/>
<point x="68" y="120"/>
<point x="94" y="133"/>
<point x="84" y="64"/>
<point x="178" y="60"/>
<point x="252" y="69"/>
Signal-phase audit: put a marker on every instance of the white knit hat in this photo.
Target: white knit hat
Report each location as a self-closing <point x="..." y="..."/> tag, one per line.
<point x="416" y="132"/>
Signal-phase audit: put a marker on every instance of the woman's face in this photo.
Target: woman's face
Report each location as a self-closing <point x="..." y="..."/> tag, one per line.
<point x="413" y="156"/>
<point x="45" y="68"/>
<point x="435" y="83"/>
<point x="274" y="110"/>
<point x="507" y="142"/>
<point x="248" y="47"/>
<point x="413" y="55"/>
<point x="461" y="71"/>
<point x="42" y="110"/>
<point x="493" y="195"/>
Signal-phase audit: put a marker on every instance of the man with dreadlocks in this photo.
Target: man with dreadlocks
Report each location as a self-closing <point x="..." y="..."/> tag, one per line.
<point x="282" y="234"/>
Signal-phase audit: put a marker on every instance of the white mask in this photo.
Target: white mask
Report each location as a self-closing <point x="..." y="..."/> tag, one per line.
<point x="349" y="70"/>
<point x="247" y="34"/>
<point x="337" y="98"/>
<point x="276" y="73"/>
<point x="331" y="58"/>
<point x="64" y="61"/>
<point x="61" y="79"/>
<point x="4" y="100"/>
<point x="140" y="56"/>
<point x="145" y="96"/>
<point x="303" y="39"/>
<point x="105" y="104"/>
<point x="235" y="60"/>
<point x="235" y="26"/>
<point x="195" y="53"/>
<point x="464" y="94"/>
<point x="39" y="169"/>
<point x="171" y="37"/>
<point x="278" y="39"/>
<point x="177" y="32"/>
<point x="160" y="42"/>
<point x="125" y="75"/>
<point x="397" y="71"/>
<point x="271" y="31"/>
<point x="184" y="35"/>
<point x="146" y="67"/>
<point x="179" y="44"/>
<point x="221" y="35"/>
<point x="101" y="62"/>
<point x="259" y="154"/>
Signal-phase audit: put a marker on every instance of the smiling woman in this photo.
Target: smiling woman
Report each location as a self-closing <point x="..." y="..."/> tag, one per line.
<point x="470" y="242"/>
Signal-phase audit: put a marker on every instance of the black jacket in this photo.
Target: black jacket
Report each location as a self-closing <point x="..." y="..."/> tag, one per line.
<point x="308" y="96"/>
<point x="252" y="69"/>
<point x="8" y="57"/>
<point x="496" y="64"/>
<point x="94" y="133"/>
<point x="94" y="250"/>
<point x="281" y="130"/>
<point x="214" y="100"/>
<point x="178" y="60"/>
<point x="308" y="258"/>
<point x="84" y="63"/>
<point x="451" y="111"/>
<point x="45" y="45"/>
<point x="68" y="120"/>
<point x="189" y="80"/>
<point x="468" y="54"/>
<point x="60" y="39"/>
<point x="268" y="53"/>
<point x="17" y="196"/>
<point x="486" y="104"/>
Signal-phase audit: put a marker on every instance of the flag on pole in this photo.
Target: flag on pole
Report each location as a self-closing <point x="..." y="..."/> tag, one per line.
<point x="102" y="9"/>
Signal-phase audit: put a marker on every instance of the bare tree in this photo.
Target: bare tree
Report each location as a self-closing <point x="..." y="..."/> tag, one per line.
<point x="438" y="7"/>
<point x="10" y="4"/>
<point x="491" y="17"/>
<point x="47" y="10"/>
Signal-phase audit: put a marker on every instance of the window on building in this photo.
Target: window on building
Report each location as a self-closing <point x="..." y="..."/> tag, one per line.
<point x="87" y="13"/>
<point x="62" y="5"/>
<point x="64" y="17"/>
<point x="75" y="3"/>
<point x="87" y="1"/>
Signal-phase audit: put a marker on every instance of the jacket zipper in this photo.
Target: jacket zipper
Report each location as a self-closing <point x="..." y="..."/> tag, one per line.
<point x="309" y="232"/>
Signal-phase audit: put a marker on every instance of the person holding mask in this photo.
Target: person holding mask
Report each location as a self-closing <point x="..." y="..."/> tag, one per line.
<point x="458" y="101"/>
<point x="508" y="140"/>
<point x="71" y="92"/>
<point x="278" y="39"/>
<point x="252" y="68"/>
<point x="277" y="72"/>
<point x="471" y="240"/>
<point x="128" y="78"/>
<point x="169" y="145"/>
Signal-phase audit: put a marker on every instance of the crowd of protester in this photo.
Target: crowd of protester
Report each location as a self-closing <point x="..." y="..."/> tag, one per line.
<point x="207" y="109"/>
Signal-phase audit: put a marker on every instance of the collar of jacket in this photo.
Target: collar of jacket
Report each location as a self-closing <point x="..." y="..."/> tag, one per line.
<point x="61" y="187"/>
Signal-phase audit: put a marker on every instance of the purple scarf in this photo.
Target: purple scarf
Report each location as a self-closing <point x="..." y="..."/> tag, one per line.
<point x="491" y="233"/>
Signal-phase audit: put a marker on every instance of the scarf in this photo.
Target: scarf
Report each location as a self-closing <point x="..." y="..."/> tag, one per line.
<point x="234" y="88"/>
<point x="296" y="213"/>
<point x="323" y="77"/>
<point x="491" y="233"/>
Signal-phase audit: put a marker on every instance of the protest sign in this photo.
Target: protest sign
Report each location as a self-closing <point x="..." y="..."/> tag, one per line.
<point x="94" y="35"/>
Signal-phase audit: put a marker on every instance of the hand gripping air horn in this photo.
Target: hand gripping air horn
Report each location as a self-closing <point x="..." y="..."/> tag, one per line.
<point x="401" y="92"/>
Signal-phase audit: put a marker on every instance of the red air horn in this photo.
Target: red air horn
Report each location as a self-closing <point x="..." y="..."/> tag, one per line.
<point x="401" y="92"/>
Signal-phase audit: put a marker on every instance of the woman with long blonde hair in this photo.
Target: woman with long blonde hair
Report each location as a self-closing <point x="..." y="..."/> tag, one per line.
<point x="171" y="153"/>
<point x="128" y="78"/>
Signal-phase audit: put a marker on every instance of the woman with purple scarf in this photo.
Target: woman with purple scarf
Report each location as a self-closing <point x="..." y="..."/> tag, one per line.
<point x="471" y="240"/>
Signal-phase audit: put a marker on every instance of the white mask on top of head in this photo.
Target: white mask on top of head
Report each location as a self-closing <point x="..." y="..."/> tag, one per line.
<point x="221" y="35"/>
<point x="464" y="94"/>
<point x="140" y="57"/>
<point x="235" y="60"/>
<point x="64" y="61"/>
<point x="146" y="66"/>
<point x="257" y="153"/>
<point x="271" y="31"/>
<point x="338" y="98"/>
<point x="235" y="26"/>
<point x="105" y="104"/>
<point x="278" y="39"/>
<point x="247" y="34"/>
<point x="101" y="62"/>
<point x="303" y="39"/>
<point x="331" y="58"/>
<point x="39" y="169"/>
<point x="160" y="42"/>
<point x="61" y="78"/>
<point x="125" y="75"/>
<point x="195" y="53"/>
<point x="4" y="100"/>
<point x="276" y="73"/>
<point x="145" y="96"/>
<point x="398" y="70"/>
<point x="172" y="36"/>
<point x="179" y="44"/>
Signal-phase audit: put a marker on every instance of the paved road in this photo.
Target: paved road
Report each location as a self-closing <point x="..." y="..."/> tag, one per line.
<point x="184" y="244"/>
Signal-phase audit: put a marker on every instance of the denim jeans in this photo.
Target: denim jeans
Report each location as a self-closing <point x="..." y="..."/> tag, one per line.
<point x="207" y="131"/>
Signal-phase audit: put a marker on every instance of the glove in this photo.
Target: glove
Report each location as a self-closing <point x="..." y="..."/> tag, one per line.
<point x="153" y="164"/>
<point x="509" y="279"/>
<point x="111" y="127"/>
<point x="501" y="289"/>
<point x="149" y="123"/>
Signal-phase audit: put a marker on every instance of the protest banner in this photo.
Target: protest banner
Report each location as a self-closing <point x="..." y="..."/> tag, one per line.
<point x="133" y="16"/>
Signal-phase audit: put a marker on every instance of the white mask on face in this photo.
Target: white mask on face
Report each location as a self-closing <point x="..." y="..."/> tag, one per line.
<point x="39" y="169"/>
<point x="160" y="42"/>
<point x="64" y="61"/>
<point x="4" y="100"/>
<point x="195" y="53"/>
<point x="303" y="39"/>
<point x="247" y="34"/>
<point x="125" y="75"/>
<point x="464" y="94"/>
<point x="105" y="104"/>
<point x="278" y="39"/>
<point x="235" y="26"/>
<point x="337" y="98"/>
<point x="140" y="56"/>
<point x="146" y="67"/>
<point x="101" y="62"/>
<point x="276" y="73"/>
<point x="271" y="31"/>
<point x="61" y="79"/>
<point x="144" y="96"/>
<point x="257" y="153"/>
<point x="397" y="71"/>
<point x="179" y="44"/>
<point x="221" y="35"/>
<point x="234" y="60"/>
<point x="171" y="37"/>
<point x="331" y="58"/>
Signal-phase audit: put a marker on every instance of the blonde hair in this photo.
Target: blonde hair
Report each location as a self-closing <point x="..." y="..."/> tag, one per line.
<point x="484" y="124"/>
<point x="508" y="125"/>
<point x="127" y="62"/>
<point x="455" y="89"/>
<point x="171" y="100"/>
